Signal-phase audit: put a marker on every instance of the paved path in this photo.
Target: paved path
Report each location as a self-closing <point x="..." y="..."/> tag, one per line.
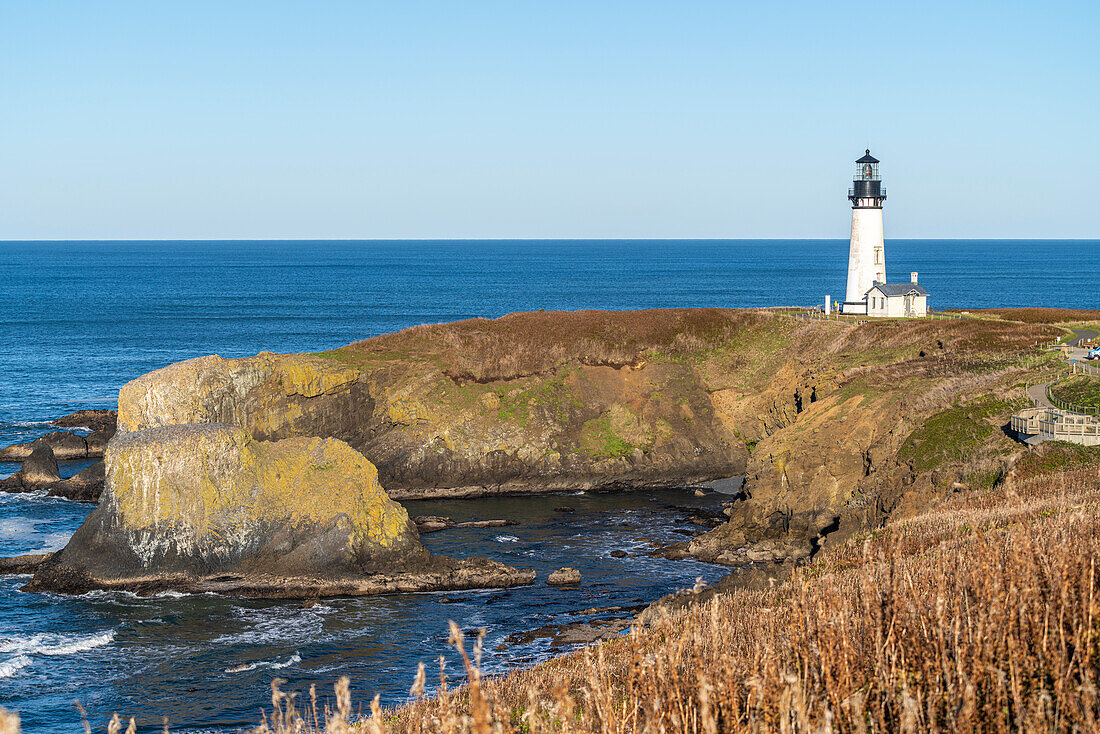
<point x="1038" y="395"/>
<point x="1083" y="335"/>
<point x="1077" y="353"/>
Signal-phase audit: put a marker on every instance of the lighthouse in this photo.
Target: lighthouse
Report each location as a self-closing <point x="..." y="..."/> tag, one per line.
<point x="867" y="255"/>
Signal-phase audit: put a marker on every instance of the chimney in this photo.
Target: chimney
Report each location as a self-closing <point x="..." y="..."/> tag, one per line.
<point x="912" y="277"/>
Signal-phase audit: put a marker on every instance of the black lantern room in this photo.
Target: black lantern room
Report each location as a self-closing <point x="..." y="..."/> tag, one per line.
<point x="867" y="189"/>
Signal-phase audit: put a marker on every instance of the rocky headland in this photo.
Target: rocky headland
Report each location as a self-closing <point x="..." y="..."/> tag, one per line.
<point x="213" y="457"/>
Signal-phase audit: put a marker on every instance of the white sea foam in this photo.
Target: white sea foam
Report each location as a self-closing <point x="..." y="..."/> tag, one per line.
<point x="44" y="643"/>
<point x="274" y="664"/>
<point x="37" y="494"/>
<point x="506" y="539"/>
<point x="292" y="625"/>
<point x="53" y="542"/>
<point x="80" y="644"/>
<point x="170" y="594"/>
<point x="8" y="668"/>
<point x="18" y="528"/>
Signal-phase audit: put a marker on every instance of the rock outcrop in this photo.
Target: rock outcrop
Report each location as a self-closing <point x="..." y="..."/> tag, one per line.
<point x="95" y="421"/>
<point x="433" y="433"/>
<point x="84" y="486"/>
<point x="208" y="507"/>
<point x="67" y="445"/>
<point x="38" y="470"/>
<point x="565" y="576"/>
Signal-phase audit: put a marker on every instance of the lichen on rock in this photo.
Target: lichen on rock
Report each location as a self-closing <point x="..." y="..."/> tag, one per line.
<point x="212" y="494"/>
<point x="211" y="486"/>
<point x="262" y="393"/>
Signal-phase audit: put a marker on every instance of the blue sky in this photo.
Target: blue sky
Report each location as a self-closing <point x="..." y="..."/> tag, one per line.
<point x="553" y="119"/>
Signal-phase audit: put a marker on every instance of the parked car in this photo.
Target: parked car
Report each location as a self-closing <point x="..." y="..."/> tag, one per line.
<point x="1093" y="353"/>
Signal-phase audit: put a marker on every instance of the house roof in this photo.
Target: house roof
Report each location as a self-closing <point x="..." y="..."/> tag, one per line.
<point x="898" y="289"/>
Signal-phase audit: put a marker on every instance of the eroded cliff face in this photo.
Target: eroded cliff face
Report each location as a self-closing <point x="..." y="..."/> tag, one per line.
<point x="836" y="450"/>
<point x="651" y="422"/>
<point x="813" y="413"/>
<point x="208" y="488"/>
<point x="271" y="396"/>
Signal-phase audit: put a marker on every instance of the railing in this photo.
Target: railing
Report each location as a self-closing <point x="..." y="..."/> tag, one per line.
<point x="1086" y="368"/>
<point x="816" y="313"/>
<point x="1054" y="425"/>
<point x="1070" y="407"/>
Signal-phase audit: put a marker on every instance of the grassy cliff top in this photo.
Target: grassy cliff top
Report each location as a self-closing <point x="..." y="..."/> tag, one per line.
<point x="1038" y="315"/>
<point x="536" y="342"/>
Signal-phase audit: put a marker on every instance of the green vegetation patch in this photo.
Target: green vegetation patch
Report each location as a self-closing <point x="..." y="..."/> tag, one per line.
<point x="598" y="439"/>
<point x="618" y="432"/>
<point x="953" y="435"/>
<point x="1057" y="456"/>
<point x="1079" y="390"/>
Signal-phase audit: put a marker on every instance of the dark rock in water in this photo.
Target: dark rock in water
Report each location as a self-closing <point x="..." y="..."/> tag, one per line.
<point x="619" y="554"/>
<point x="93" y="420"/>
<point x="755" y="577"/>
<point x="566" y="576"/>
<point x="453" y="599"/>
<point x="432" y="523"/>
<point x="435" y="523"/>
<point x="205" y="507"/>
<point x="23" y="564"/>
<point x="564" y="508"/>
<point x="97" y="442"/>
<point x="39" y="469"/>
<point x="84" y="486"/>
<point x="65" y="446"/>
<point x="577" y="633"/>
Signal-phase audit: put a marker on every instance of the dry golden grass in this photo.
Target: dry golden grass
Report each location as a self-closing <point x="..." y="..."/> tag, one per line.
<point x="978" y="616"/>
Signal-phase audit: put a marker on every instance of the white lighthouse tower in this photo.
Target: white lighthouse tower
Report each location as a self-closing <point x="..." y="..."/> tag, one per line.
<point x="867" y="255"/>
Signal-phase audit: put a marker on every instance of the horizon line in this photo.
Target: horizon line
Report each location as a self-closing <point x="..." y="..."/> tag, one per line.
<point x="536" y="239"/>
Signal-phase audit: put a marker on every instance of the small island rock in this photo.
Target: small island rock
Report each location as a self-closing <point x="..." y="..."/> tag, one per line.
<point x="566" y="576"/>
<point x="205" y="507"/>
<point x="84" y="486"/>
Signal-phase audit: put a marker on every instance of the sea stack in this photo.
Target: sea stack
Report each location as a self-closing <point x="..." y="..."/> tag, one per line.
<point x="208" y="506"/>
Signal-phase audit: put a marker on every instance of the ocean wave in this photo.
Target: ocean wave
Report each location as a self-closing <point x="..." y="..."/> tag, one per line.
<point x="45" y="643"/>
<point x="8" y="668"/>
<point x="506" y="539"/>
<point x="36" y="495"/>
<point x="292" y="625"/>
<point x="272" y="664"/>
<point x="52" y="542"/>
<point x="26" y="424"/>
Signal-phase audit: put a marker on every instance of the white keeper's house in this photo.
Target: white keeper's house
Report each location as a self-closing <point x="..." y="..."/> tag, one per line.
<point x="868" y="293"/>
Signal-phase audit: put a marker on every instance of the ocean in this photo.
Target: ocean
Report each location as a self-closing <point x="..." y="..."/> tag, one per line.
<point x="79" y="319"/>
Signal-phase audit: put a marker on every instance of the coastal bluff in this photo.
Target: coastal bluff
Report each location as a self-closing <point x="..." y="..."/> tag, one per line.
<point x="194" y="504"/>
<point x="817" y="415"/>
